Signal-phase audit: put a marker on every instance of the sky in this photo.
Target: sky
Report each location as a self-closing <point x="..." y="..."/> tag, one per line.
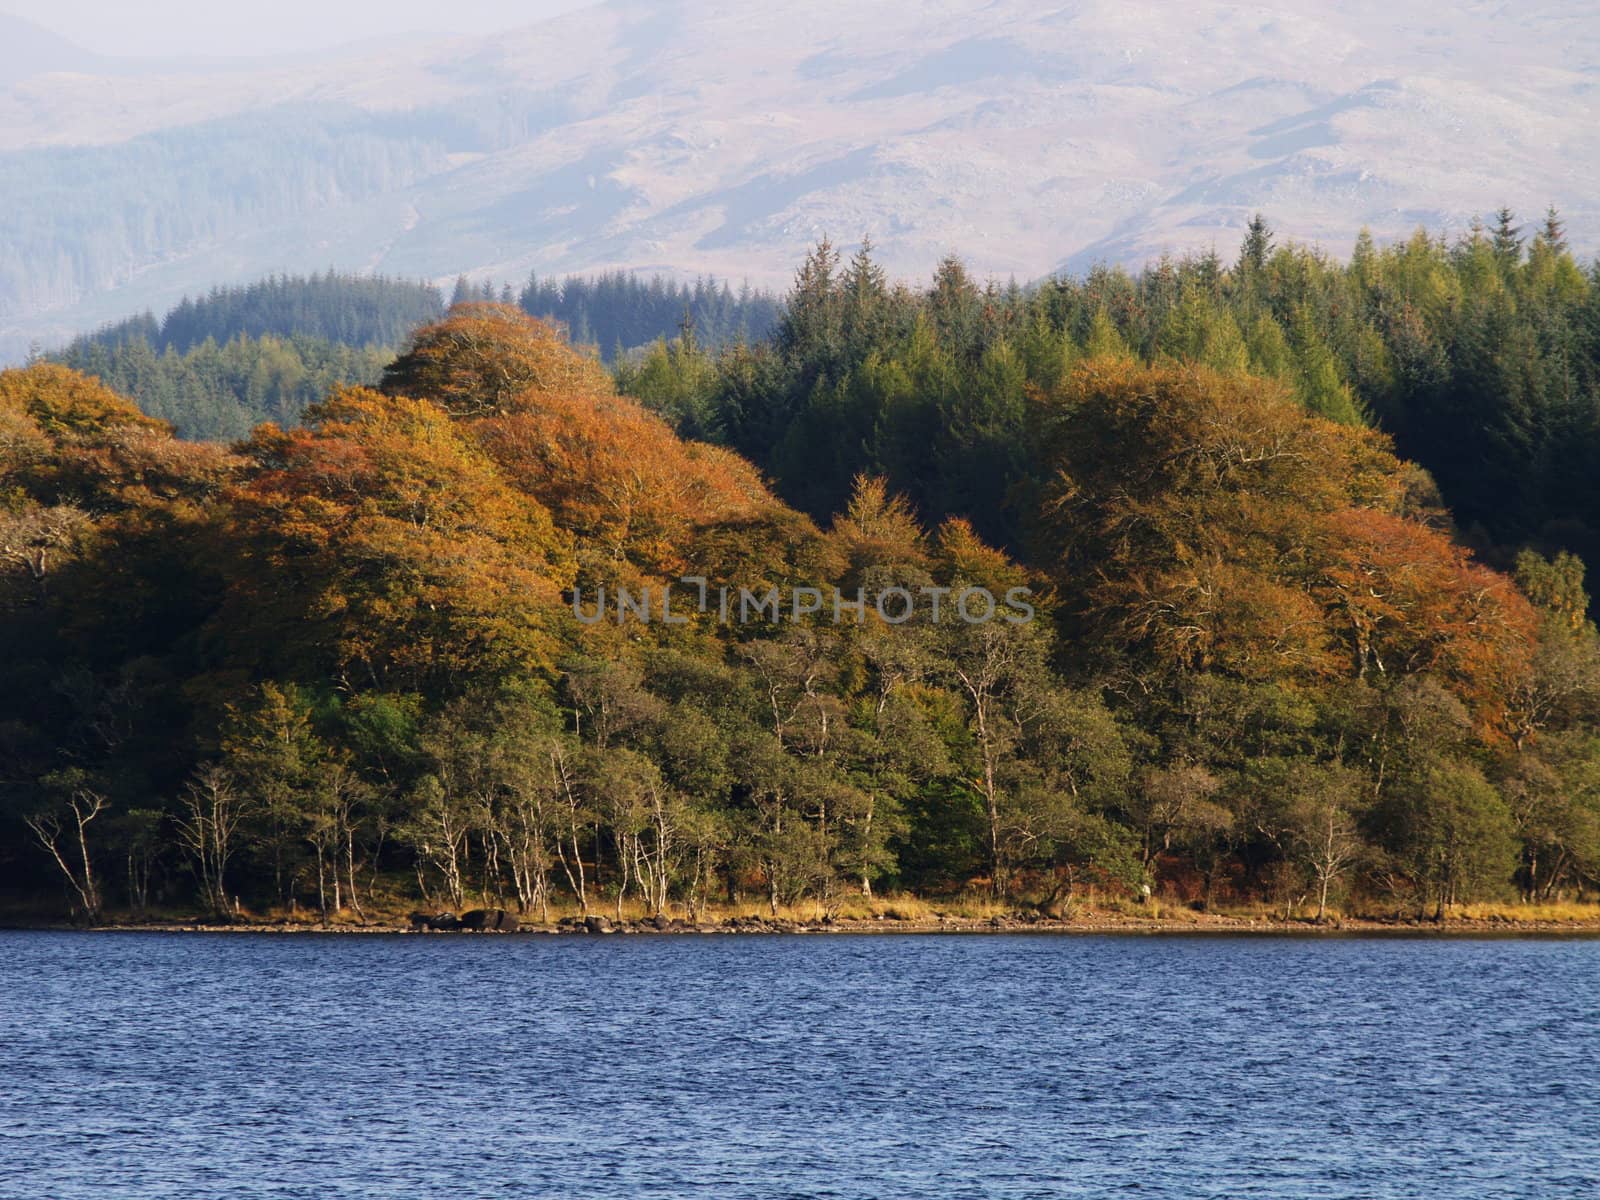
<point x="165" y="28"/>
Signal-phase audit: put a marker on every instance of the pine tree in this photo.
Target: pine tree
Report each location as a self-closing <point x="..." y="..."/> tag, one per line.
<point x="865" y="293"/>
<point x="1321" y="387"/>
<point x="1270" y="355"/>
<point x="1555" y="231"/>
<point x="1224" y="348"/>
<point x="1257" y="246"/>
<point x="1507" y="239"/>
<point x="954" y="304"/>
<point x="1104" y="339"/>
<point x="1364" y="258"/>
<point x="1182" y="336"/>
<point x="808" y="334"/>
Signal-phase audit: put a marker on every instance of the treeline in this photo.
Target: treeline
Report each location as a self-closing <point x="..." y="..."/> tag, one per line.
<point x="218" y="366"/>
<point x="355" y="662"/>
<point x="1480" y="356"/>
<point x="355" y="310"/>
<point x="619" y="312"/>
<point x="221" y="391"/>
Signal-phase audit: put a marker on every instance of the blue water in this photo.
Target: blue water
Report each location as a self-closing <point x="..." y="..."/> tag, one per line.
<point x="452" y="1066"/>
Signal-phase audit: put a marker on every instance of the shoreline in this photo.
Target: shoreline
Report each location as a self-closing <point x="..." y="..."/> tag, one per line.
<point x="1088" y="924"/>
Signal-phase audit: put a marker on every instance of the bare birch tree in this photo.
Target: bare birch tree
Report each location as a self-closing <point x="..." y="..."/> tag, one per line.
<point x="212" y="814"/>
<point x="62" y="829"/>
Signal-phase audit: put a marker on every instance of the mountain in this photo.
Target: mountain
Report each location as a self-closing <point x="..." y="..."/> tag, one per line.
<point x="27" y="50"/>
<point x="726" y="137"/>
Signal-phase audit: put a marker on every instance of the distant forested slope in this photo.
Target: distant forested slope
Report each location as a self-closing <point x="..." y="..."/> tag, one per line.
<point x="219" y="391"/>
<point x="178" y="191"/>
<point x="358" y="310"/>
<point x="218" y="365"/>
<point x="621" y="310"/>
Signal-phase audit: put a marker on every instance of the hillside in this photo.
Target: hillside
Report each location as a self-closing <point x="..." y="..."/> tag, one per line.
<point x="724" y="138"/>
<point x="492" y="633"/>
<point x="26" y="50"/>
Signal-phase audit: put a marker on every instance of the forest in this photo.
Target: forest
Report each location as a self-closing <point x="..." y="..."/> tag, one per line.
<point x="1305" y="538"/>
<point x="217" y="366"/>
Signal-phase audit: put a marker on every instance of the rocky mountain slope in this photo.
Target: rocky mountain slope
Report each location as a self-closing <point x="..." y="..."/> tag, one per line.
<point x="725" y="137"/>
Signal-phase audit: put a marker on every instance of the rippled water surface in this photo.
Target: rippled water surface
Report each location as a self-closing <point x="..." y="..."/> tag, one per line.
<point x="197" y="1066"/>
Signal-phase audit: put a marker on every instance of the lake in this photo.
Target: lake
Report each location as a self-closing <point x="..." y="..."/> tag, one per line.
<point x="237" y="1065"/>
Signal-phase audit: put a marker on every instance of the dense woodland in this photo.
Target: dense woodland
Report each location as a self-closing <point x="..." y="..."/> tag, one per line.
<point x="622" y="313"/>
<point x="219" y="391"/>
<point x="1480" y="357"/>
<point x="218" y="366"/>
<point x="356" y="310"/>
<point x="337" y="664"/>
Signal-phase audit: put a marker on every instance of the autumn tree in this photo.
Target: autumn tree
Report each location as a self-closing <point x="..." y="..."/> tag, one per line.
<point x="380" y="544"/>
<point x="482" y="358"/>
<point x="1235" y="533"/>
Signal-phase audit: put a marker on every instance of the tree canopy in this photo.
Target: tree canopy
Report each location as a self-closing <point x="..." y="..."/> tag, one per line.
<point x="1232" y="646"/>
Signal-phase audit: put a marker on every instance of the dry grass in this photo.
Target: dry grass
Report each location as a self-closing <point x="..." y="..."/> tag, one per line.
<point x="855" y="907"/>
<point x="1153" y="909"/>
<point x="1567" y="912"/>
<point x="852" y="907"/>
<point x="977" y="907"/>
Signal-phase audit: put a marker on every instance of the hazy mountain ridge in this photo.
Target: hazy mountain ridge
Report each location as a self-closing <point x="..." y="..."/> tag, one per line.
<point x="27" y="50"/>
<point x="725" y="138"/>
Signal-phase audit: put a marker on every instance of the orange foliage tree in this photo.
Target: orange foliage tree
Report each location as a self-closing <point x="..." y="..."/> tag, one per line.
<point x="618" y="477"/>
<point x="639" y="501"/>
<point x="482" y="357"/>
<point x="382" y="537"/>
<point x="97" y="500"/>
<point x="1207" y="523"/>
<point x="65" y="438"/>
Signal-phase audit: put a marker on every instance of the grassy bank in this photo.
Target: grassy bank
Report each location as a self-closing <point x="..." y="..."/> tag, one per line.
<point x="974" y="913"/>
